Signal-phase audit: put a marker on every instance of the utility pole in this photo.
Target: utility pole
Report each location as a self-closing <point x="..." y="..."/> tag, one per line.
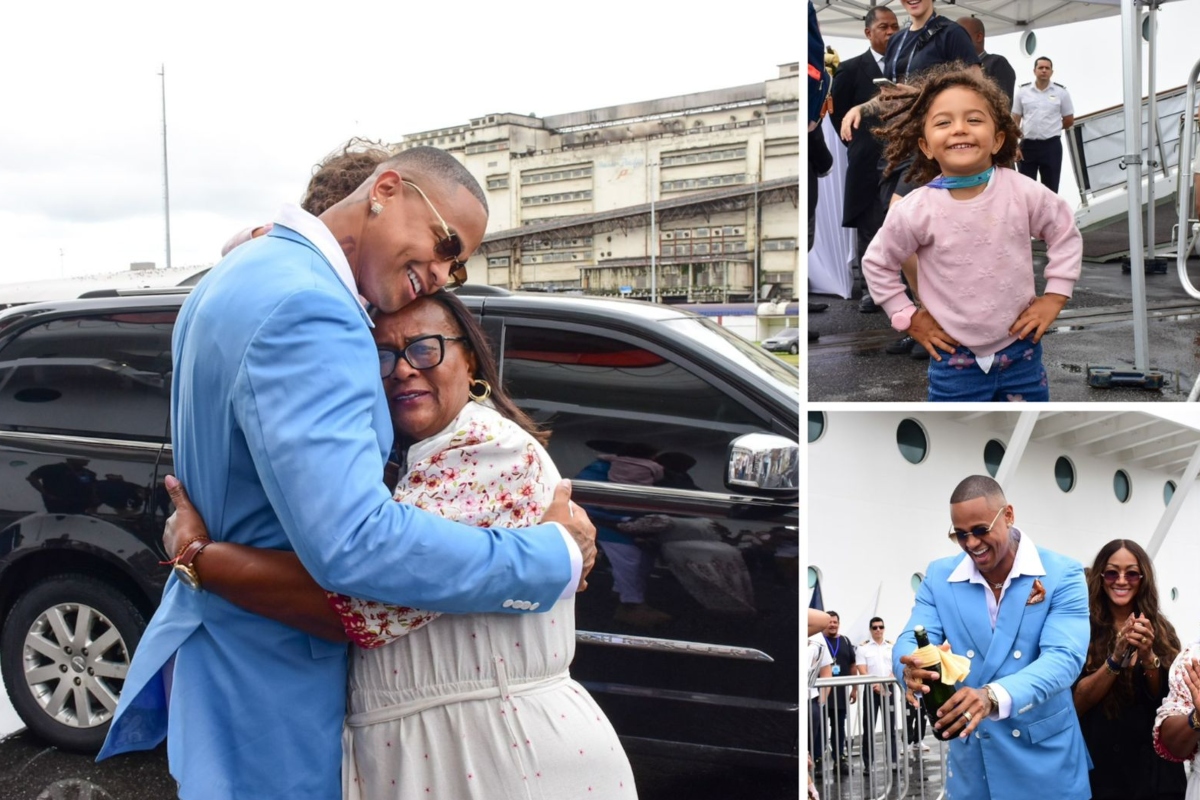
<point x="653" y="236"/>
<point x="166" y="186"/>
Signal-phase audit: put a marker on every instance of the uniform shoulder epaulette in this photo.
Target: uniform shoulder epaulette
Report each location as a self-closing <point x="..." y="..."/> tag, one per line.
<point x="888" y="641"/>
<point x="1023" y="85"/>
<point x="1059" y="85"/>
<point x="863" y="642"/>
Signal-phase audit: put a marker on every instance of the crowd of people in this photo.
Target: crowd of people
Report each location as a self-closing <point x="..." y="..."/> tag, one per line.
<point x="951" y="172"/>
<point x="1078" y="686"/>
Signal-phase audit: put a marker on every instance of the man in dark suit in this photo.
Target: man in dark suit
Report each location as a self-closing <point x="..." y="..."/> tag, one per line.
<point x="994" y="65"/>
<point x="853" y="85"/>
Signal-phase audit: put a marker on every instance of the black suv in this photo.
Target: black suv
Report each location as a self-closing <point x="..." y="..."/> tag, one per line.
<point x="688" y="634"/>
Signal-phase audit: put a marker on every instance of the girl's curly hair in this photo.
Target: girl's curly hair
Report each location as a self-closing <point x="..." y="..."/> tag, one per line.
<point x="341" y="172"/>
<point x="905" y="107"/>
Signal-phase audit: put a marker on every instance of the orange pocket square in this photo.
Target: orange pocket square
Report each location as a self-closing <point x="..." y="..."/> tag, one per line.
<point x="1037" y="595"/>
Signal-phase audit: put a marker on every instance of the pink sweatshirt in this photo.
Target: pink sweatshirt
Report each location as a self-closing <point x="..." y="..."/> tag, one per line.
<point x="975" y="264"/>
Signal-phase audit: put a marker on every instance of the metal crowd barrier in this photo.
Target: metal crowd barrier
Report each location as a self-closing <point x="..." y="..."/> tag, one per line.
<point x="892" y="727"/>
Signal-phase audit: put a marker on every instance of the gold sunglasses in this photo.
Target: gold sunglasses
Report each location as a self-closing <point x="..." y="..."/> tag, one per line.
<point x="449" y="247"/>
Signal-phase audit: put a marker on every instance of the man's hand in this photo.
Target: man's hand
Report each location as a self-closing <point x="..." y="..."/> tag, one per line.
<point x="850" y="123"/>
<point x="914" y="677"/>
<point x="575" y="520"/>
<point x="853" y="694"/>
<point x="953" y="713"/>
<point x="1039" y="316"/>
<point x="185" y="524"/>
<point x="930" y="335"/>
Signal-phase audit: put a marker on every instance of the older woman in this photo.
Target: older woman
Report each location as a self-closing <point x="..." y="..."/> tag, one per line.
<point x="1177" y="726"/>
<point x="1125" y="678"/>
<point x="462" y="706"/>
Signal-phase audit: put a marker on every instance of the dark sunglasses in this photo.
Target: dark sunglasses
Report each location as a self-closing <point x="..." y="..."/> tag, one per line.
<point x="978" y="531"/>
<point x="876" y="627"/>
<point x="448" y="248"/>
<point x="425" y="352"/>
<point x="1112" y="576"/>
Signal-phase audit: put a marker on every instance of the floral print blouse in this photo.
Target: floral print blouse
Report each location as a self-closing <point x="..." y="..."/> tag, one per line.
<point x="1177" y="703"/>
<point x="482" y="469"/>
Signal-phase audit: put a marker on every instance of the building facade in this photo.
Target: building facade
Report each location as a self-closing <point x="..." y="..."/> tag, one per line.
<point x="687" y="199"/>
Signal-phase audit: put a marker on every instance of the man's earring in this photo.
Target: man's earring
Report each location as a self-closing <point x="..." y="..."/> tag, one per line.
<point x="376" y="207"/>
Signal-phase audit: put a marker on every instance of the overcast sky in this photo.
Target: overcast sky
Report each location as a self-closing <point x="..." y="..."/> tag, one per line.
<point x="1087" y="60"/>
<point x="257" y="92"/>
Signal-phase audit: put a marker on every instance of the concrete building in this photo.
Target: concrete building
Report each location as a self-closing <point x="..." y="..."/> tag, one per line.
<point x="680" y="197"/>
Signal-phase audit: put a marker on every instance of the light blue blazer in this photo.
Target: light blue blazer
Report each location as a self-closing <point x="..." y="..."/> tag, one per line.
<point x="1036" y="652"/>
<point x="281" y="429"/>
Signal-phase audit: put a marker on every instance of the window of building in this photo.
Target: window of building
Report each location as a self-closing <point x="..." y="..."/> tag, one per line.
<point x="497" y="182"/>
<point x="100" y="376"/>
<point x="993" y="454"/>
<point x="1064" y="473"/>
<point x="1168" y="492"/>
<point x="778" y="244"/>
<point x="1122" y="486"/>
<point x="816" y="425"/>
<point x="912" y="441"/>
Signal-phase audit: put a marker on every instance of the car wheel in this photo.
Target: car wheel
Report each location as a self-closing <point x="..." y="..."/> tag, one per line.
<point x="65" y="652"/>
<point x="795" y="348"/>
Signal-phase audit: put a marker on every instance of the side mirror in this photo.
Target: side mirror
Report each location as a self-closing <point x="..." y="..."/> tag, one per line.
<point x="764" y="461"/>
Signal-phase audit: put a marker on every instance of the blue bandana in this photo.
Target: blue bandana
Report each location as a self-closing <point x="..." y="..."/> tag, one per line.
<point x="961" y="182"/>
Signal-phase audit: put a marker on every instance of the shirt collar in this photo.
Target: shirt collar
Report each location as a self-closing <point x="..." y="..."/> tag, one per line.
<point x="1026" y="562"/>
<point x="296" y="218"/>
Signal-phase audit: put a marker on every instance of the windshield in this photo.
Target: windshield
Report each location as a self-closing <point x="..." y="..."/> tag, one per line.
<point x="743" y="353"/>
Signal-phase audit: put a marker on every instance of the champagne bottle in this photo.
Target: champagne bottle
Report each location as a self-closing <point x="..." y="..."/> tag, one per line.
<point x="939" y="692"/>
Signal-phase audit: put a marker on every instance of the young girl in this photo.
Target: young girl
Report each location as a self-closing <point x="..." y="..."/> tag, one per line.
<point x="981" y="320"/>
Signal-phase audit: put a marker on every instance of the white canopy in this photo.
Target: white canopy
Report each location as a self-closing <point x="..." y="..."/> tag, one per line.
<point x="843" y="18"/>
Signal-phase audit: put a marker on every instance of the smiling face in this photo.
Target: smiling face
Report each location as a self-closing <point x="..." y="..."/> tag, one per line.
<point x="395" y="261"/>
<point x="832" y="629"/>
<point x="919" y="10"/>
<point x="959" y="132"/>
<point x="1122" y="592"/>
<point x="424" y="401"/>
<point x="993" y="553"/>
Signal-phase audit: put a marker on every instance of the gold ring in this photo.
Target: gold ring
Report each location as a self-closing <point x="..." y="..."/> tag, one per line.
<point x="967" y="714"/>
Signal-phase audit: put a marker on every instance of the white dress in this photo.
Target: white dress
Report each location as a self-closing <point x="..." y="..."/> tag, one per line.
<point x="453" y="707"/>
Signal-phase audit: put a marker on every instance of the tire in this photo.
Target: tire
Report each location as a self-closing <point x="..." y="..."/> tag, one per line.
<point x="61" y="685"/>
<point x="795" y="348"/>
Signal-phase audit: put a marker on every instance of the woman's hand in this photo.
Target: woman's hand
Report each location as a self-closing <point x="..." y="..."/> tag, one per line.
<point x="1141" y="636"/>
<point x="850" y="123"/>
<point x="1191" y="679"/>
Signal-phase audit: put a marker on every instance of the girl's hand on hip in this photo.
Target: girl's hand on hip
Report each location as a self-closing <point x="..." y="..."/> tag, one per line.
<point x="930" y="335"/>
<point x="1039" y="316"/>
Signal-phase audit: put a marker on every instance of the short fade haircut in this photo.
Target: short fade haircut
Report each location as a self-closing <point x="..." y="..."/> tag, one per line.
<point x="978" y="486"/>
<point x="441" y="166"/>
<point x="873" y="14"/>
<point x="874" y="620"/>
<point x="973" y="24"/>
<point x="1043" y="58"/>
<point x="834" y="614"/>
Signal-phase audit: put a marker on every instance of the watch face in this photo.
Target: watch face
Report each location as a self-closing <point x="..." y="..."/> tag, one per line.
<point x="187" y="575"/>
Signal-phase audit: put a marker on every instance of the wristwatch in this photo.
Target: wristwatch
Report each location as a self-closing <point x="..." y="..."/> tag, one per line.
<point x="991" y="696"/>
<point x="1155" y="664"/>
<point x="183" y="564"/>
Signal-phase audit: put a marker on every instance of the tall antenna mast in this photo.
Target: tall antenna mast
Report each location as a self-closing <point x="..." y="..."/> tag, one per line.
<point x="166" y="186"/>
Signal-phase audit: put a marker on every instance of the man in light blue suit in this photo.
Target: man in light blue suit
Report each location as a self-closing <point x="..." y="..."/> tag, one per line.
<point x="281" y="430"/>
<point x="1019" y="613"/>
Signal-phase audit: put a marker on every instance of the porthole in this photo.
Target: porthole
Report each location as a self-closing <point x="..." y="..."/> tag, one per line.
<point x="816" y="425"/>
<point x="1122" y="487"/>
<point x="1168" y="492"/>
<point x="1174" y="593"/>
<point x="993" y="454"/>
<point x="916" y="580"/>
<point x="912" y="441"/>
<point x="814" y="577"/>
<point x="1064" y="473"/>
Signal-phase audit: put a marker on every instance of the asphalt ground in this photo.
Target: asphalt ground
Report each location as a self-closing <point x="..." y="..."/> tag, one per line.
<point x="29" y="770"/>
<point x="848" y="362"/>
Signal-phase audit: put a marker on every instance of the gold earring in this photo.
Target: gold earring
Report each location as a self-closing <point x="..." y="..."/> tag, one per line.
<point x="479" y="390"/>
<point x="376" y="207"/>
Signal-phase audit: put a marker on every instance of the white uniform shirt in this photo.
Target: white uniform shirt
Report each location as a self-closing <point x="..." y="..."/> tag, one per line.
<point x="818" y="657"/>
<point x="877" y="658"/>
<point x="1042" y="112"/>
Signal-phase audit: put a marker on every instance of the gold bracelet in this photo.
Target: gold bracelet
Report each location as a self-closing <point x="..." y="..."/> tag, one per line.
<point x="1194" y="720"/>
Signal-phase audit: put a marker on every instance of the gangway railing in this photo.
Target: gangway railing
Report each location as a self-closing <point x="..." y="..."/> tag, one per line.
<point x="1185" y="200"/>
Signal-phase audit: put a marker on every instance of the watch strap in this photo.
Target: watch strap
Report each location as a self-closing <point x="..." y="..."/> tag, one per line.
<point x="190" y="551"/>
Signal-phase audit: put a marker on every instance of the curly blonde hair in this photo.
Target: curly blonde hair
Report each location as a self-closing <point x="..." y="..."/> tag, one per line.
<point x="905" y="107"/>
<point x="341" y="172"/>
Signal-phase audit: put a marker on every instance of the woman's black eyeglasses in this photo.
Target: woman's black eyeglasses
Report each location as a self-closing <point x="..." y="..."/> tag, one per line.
<point x="1112" y="576"/>
<point x="449" y="247"/>
<point x="425" y="352"/>
<point x="978" y="531"/>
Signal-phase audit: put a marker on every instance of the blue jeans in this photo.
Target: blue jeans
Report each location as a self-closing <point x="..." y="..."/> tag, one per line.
<point x="1016" y="374"/>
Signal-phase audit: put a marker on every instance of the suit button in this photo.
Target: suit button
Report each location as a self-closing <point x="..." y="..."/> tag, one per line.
<point x="970" y="654"/>
<point x="525" y="604"/>
<point x="508" y="603"/>
<point x="1016" y="734"/>
<point x="976" y="734"/>
<point x="534" y="606"/>
<point x="1016" y="653"/>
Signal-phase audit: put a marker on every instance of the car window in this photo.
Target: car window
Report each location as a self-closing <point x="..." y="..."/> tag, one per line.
<point x="104" y="376"/>
<point x="622" y="412"/>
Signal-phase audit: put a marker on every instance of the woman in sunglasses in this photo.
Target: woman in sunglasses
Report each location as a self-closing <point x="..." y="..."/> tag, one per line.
<point x="1124" y="678"/>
